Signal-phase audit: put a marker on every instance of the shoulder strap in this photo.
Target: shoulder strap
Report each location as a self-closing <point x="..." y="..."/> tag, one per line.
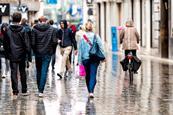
<point x="87" y="40"/>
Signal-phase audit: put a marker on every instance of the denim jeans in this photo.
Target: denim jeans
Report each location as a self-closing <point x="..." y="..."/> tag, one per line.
<point x="53" y="60"/>
<point x="91" y="73"/>
<point x="14" y="78"/>
<point x="42" y="65"/>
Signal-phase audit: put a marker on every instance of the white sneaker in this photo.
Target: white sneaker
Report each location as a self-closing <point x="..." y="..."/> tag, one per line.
<point x="3" y="76"/>
<point x="40" y="94"/>
<point x="25" y="94"/>
<point x="14" y="96"/>
<point x="91" y="95"/>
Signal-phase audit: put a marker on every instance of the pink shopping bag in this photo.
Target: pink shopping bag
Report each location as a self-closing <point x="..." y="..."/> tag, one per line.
<point x="82" y="72"/>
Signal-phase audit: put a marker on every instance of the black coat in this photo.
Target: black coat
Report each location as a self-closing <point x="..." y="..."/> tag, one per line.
<point x="67" y="38"/>
<point x="43" y="39"/>
<point x="16" y="42"/>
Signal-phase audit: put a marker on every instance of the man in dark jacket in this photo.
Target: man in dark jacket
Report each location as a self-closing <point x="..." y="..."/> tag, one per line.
<point x="16" y="44"/>
<point x="51" y="23"/>
<point x="66" y="41"/>
<point x="43" y="39"/>
<point x="28" y="30"/>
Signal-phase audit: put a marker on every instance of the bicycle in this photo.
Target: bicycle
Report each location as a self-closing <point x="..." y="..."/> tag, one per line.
<point x="130" y="67"/>
<point x="131" y="64"/>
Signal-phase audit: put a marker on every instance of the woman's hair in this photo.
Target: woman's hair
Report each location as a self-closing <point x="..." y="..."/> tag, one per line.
<point x="24" y="21"/>
<point x="91" y="26"/>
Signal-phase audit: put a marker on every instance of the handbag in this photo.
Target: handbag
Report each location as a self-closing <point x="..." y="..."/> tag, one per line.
<point x="82" y="71"/>
<point x="95" y="52"/>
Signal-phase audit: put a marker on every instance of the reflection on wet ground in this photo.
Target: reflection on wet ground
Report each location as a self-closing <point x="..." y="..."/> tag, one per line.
<point x="151" y="93"/>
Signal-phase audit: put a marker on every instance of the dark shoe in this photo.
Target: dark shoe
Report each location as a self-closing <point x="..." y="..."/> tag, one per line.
<point x="59" y="75"/>
<point x="27" y="64"/>
<point x="15" y="93"/>
<point x="135" y="72"/>
<point x="25" y="93"/>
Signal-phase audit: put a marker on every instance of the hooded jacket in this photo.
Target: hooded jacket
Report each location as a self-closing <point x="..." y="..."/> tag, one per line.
<point x="66" y="36"/>
<point x="43" y="39"/>
<point x="129" y="38"/>
<point x="16" y="42"/>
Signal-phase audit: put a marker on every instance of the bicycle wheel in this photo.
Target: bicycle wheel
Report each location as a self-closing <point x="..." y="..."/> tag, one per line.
<point x="131" y="76"/>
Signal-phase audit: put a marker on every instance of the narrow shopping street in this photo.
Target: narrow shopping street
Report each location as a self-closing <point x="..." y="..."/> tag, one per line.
<point x="150" y="94"/>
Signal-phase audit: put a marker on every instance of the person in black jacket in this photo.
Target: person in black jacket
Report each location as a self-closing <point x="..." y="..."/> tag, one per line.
<point x="66" y="41"/>
<point x="16" y="45"/>
<point x="51" y="23"/>
<point x="43" y="40"/>
<point x="5" y="67"/>
<point x="28" y="30"/>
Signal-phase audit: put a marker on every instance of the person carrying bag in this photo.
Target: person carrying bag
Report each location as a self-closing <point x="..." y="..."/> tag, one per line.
<point x="85" y="56"/>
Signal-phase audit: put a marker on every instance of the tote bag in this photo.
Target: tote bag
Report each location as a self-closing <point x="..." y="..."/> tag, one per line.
<point x="82" y="72"/>
<point x="95" y="52"/>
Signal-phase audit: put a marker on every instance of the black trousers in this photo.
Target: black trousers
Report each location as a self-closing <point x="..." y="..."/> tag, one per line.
<point x="14" y="78"/>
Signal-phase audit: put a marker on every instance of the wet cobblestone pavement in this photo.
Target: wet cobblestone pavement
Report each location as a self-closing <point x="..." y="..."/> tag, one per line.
<point x="151" y="93"/>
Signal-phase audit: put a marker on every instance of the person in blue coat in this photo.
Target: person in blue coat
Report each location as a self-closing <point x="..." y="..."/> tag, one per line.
<point x="91" y="66"/>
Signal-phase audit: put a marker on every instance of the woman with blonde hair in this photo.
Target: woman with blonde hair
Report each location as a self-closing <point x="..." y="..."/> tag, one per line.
<point x="90" y="65"/>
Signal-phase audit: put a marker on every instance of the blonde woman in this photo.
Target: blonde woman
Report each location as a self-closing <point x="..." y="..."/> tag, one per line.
<point x="91" y="66"/>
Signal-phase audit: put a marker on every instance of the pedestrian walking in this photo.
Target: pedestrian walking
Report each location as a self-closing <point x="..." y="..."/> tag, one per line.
<point x="66" y="41"/>
<point x="43" y="39"/>
<point x="79" y="34"/>
<point x="28" y="30"/>
<point x="90" y="65"/>
<point x="72" y="55"/>
<point x="4" y="62"/>
<point x="53" y="58"/>
<point x="16" y="45"/>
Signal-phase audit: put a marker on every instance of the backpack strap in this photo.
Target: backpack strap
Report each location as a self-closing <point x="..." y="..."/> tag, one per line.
<point x="87" y="40"/>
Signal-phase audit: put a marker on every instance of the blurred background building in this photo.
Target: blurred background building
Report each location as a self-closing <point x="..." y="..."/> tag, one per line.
<point x="153" y="20"/>
<point x="28" y="8"/>
<point x="71" y="10"/>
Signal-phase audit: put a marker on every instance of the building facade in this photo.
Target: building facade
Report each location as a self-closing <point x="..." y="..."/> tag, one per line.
<point x="152" y="18"/>
<point x="28" y="8"/>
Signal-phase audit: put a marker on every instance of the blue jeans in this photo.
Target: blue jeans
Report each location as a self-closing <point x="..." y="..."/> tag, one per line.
<point x="91" y="73"/>
<point x="53" y="60"/>
<point x="42" y="65"/>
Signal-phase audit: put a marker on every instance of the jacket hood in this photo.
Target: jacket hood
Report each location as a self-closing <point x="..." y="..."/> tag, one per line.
<point x="42" y="27"/>
<point x="16" y="28"/>
<point x="129" y="24"/>
<point x="65" y="23"/>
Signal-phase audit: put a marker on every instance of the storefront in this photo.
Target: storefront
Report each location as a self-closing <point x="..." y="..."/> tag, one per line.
<point x="27" y="8"/>
<point x="4" y="11"/>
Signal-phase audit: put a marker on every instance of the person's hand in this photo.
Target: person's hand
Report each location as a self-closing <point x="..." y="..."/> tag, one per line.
<point x="138" y="46"/>
<point x="75" y="52"/>
<point x="59" y="41"/>
<point x="121" y="47"/>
